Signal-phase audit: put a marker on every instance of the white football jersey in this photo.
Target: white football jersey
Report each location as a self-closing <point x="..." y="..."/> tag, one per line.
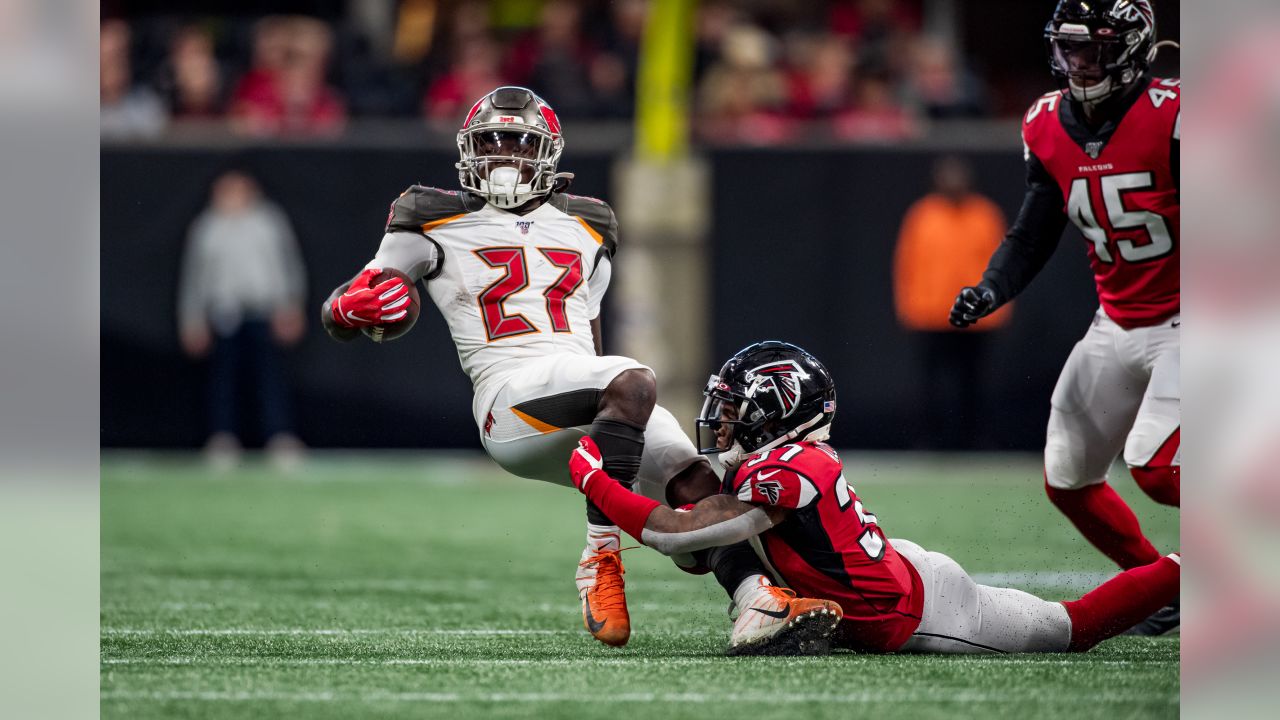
<point x="510" y="286"/>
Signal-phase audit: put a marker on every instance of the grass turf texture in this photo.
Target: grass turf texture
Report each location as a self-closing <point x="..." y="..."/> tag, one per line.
<point x="436" y="586"/>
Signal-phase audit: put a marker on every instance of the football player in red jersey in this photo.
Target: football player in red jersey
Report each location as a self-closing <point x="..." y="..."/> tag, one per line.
<point x="1103" y="152"/>
<point x="767" y="414"/>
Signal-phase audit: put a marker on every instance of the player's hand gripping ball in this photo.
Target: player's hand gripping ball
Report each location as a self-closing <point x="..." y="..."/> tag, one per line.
<point x="584" y="462"/>
<point x="383" y="303"/>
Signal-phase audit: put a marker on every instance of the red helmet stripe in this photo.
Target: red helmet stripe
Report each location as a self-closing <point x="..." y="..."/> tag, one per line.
<point x="474" y="109"/>
<point x="553" y="122"/>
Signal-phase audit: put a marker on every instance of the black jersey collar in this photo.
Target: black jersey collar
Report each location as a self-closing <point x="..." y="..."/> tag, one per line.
<point x="1071" y="115"/>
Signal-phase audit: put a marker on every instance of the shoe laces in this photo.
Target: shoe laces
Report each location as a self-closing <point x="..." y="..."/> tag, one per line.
<point x="608" y="587"/>
<point x="781" y="594"/>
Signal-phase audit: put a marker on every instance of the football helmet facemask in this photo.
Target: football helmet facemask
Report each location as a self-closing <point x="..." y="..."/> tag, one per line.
<point x="509" y="147"/>
<point x="1098" y="48"/>
<point x="766" y="395"/>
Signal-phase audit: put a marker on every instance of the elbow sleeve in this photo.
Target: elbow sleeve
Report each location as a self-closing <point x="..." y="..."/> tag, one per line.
<point x="726" y="532"/>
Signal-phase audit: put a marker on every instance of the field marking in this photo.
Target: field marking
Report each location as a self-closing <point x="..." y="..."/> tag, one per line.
<point x="1015" y="578"/>
<point x="866" y="696"/>
<point x="187" y="660"/>
<point x="109" y="631"/>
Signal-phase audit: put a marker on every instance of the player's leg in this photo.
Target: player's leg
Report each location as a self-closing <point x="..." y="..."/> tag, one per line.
<point x="1153" y="450"/>
<point x="1094" y="405"/>
<point x="1122" y="601"/>
<point x="961" y="616"/>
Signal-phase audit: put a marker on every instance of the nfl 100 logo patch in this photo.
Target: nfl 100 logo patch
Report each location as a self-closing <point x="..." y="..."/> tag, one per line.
<point x="523" y="226"/>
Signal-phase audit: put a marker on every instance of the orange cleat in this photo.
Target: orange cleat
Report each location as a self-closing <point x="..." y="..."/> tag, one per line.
<point x="604" y="599"/>
<point x="776" y="622"/>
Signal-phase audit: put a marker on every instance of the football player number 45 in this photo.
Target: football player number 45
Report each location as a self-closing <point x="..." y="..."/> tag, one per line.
<point x="1080" y="207"/>
<point x="498" y="323"/>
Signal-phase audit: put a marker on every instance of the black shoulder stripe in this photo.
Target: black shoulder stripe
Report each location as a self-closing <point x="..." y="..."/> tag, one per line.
<point x="419" y="207"/>
<point x="595" y="215"/>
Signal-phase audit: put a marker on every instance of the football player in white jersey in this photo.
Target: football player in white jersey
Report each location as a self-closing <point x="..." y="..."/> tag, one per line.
<point x="518" y="269"/>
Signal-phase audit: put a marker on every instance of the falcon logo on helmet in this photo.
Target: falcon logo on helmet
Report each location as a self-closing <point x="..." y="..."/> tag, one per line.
<point x="509" y="147"/>
<point x="781" y="378"/>
<point x="767" y="394"/>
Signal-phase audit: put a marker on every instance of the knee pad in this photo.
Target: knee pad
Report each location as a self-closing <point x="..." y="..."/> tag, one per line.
<point x="1062" y="469"/>
<point x="1161" y="483"/>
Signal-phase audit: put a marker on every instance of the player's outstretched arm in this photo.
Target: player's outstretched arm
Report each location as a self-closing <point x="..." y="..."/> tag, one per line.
<point x="1024" y="251"/>
<point x="715" y="521"/>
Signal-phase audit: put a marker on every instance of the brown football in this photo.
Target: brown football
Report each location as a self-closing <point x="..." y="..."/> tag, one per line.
<point x="391" y="331"/>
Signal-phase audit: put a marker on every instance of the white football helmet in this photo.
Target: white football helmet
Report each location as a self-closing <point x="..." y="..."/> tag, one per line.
<point x="509" y="147"/>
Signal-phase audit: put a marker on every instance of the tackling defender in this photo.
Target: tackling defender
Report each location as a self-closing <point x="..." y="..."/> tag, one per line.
<point x="1103" y="152"/>
<point x="767" y="413"/>
<point x="518" y="269"/>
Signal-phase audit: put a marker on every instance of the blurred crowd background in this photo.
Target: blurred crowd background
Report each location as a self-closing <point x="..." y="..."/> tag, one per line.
<point x="861" y="157"/>
<point x="766" y="71"/>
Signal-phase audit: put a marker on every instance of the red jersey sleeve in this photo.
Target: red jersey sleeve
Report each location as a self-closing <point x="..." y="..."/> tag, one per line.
<point x="792" y="476"/>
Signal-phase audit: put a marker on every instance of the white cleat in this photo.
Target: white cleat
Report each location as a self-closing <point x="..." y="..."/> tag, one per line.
<point x="774" y="621"/>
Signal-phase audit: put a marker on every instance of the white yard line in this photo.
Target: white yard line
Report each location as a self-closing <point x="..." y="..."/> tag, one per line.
<point x="204" y="661"/>
<point x="109" y="631"/>
<point x="1038" y="578"/>
<point x="867" y="696"/>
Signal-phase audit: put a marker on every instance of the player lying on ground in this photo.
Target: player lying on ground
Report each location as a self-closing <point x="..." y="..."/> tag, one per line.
<point x="1103" y="151"/>
<point x="767" y="414"/>
<point x="518" y="269"/>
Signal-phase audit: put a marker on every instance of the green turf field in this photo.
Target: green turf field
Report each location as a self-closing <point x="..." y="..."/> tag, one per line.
<point x="435" y="586"/>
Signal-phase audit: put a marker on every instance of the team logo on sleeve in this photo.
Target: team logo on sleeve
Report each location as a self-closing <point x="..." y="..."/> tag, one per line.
<point x="782" y="379"/>
<point x="770" y="489"/>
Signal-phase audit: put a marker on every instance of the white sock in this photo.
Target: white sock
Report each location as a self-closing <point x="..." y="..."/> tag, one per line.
<point x="603" y="537"/>
<point x="747" y="590"/>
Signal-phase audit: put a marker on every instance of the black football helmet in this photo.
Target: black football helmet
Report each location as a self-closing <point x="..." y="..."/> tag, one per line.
<point x="1098" y="48"/>
<point x="766" y="395"/>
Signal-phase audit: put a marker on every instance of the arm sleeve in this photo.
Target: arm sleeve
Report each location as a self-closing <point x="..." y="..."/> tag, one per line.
<point x="1175" y="153"/>
<point x="411" y="253"/>
<point x="1034" y="236"/>
<point x="726" y="532"/>
<point x="598" y="285"/>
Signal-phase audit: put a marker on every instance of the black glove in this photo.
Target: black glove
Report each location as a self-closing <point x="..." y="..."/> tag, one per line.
<point x="972" y="303"/>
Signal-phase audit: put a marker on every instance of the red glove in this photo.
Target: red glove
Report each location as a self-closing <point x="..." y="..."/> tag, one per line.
<point x="629" y="510"/>
<point x="365" y="304"/>
<point x="585" y="461"/>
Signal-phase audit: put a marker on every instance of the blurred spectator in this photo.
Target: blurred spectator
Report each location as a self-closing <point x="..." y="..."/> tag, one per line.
<point x="192" y="76"/>
<point x="742" y="97"/>
<point x="880" y="29"/>
<point x="126" y="110"/>
<point x="285" y="92"/>
<point x="475" y="71"/>
<point x="820" y="85"/>
<point x="946" y="238"/>
<point x="555" y="60"/>
<point x="240" y="297"/>
<point x="939" y="85"/>
<point x="876" y="115"/>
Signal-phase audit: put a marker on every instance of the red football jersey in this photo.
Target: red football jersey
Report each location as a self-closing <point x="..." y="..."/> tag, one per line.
<point x="830" y="546"/>
<point x="1120" y="189"/>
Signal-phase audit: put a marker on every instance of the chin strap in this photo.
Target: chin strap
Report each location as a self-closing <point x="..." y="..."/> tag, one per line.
<point x="1155" y="49"/>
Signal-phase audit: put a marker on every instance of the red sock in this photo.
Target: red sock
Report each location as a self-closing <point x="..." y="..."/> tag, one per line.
<point x="1161" y="483"/>
<point x="1122" y="602"/>
<point x="1106" y="521"/>
<point x="629" y="510"/>
<point x="1159" y="477"/>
